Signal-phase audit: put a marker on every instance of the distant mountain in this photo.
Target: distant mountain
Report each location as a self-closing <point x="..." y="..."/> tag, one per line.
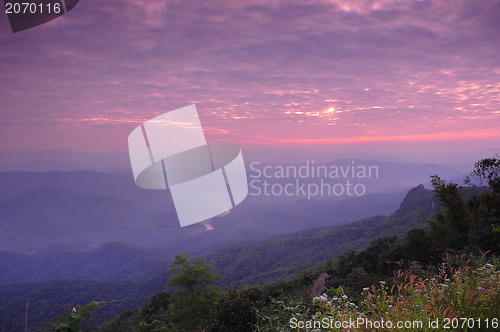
<point x="370" y="176"/>
<point x="62" y="160"/>
<point x="88" y="208"/>
<point x="111" y="261"/>
<point x="118" y="260"/>
<point x="76" y="255"/>
<point x="48" y="215"/>
<point x="119" y="185"/>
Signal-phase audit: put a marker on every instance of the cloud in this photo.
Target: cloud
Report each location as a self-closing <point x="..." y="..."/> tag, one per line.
<point x="387" y="67"/>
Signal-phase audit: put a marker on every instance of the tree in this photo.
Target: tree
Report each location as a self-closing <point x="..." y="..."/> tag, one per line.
<point x="154" y="326"/>
<point x="487" y="171"/>
<point x="450" y="228"/>
<point x="487" y="204"/>
<point x="195" y="296"/>
<point x="237" y="310"/>
<point x="474" y="222"/>
<point x="70" y="320"/>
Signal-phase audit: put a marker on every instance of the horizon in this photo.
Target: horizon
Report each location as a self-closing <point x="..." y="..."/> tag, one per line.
<point x="68" y="160"/>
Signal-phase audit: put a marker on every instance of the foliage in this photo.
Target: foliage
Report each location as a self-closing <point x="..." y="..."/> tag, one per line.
<point x="151" y="317"/>
<point x="154" y="326"/>
<point x="276" y="316"/>
<point x="49" y="298"/>
<point x="470" y="292"/>
<point x="192" y="275"/>
<point x="486" y="171"/>
<point x="236" y="310"/>
<point x="469" y="223"/>
<point x="281" y="257"/>
<point x="70" y="320"/>
<point x="191" y="303"/>
<point x="185" y="310"/>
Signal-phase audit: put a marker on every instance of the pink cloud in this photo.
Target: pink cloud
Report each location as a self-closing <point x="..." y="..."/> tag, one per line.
<point x="260" y="71"/>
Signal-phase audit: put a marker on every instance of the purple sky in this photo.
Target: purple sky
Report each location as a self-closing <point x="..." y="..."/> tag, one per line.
<point x="383" y="77"/>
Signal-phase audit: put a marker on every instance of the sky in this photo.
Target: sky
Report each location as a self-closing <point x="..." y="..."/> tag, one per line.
<point x="416" y="79"/>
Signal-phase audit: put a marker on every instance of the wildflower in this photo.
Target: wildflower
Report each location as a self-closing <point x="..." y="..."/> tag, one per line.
<point x="344" y="296"/>
<point x="382" y="282"/>
<point x="73" y="310"/>
<point x="366" y="288"/>
<point x="322" y="298"/>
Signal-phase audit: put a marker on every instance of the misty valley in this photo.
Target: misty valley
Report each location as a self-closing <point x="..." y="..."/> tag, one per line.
<point x="72" y="237"/>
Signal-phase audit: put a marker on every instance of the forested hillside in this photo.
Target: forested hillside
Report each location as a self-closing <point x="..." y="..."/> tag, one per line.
<point x="252" y="262"/>
<point x="430" y="281"/>
<point x="271" y="260"/>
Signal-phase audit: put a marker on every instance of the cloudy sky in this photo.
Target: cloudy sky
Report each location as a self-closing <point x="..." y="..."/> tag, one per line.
<point x="384" y="76"/>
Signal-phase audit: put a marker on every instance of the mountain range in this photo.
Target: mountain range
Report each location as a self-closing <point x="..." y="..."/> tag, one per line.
<point x="245" y="262"/>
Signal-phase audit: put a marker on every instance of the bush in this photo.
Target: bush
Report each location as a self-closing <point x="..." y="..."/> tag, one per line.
<point x="471" y="291"/>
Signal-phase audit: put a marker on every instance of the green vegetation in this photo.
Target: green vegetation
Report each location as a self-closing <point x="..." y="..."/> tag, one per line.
<point x="48" y="299"/>
<point x="191" y="303"/>
<point x="187" y="309"/>
<point x="282" y="257"/>
<point x="71" y="318"/>
<point x="433" y="303"/>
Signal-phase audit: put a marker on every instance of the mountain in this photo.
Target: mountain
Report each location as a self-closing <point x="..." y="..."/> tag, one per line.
<point x="111" y="261"/>
<point x="88" y="208"/>
<point x="40" y="217"/>
<point x="118" y="185"/>
<point x="342" y="178"/>
<point x="270" y="260"/>
<point x="47" y="299"/>
<point x="254" y="262"/>
<point x="89" y="254"/>
<point x="62" y="160"/>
